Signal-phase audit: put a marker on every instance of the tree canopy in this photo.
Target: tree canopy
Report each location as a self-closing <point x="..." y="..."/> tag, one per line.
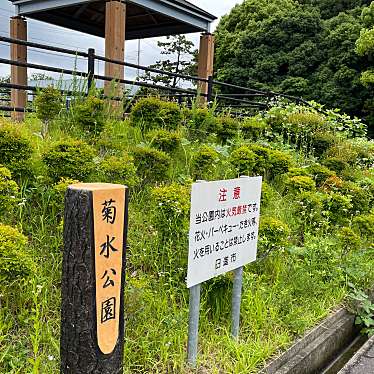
<point x="308" y="48"/>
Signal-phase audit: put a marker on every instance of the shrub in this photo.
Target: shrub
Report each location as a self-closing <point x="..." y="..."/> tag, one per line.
<point x="167" y="141"/>
<point x="332" y="183"/>
<point x="15" y="261"/>
<point x="243" y="160"/>
<point x="320" y="173"/>
<point x="365" y="225"/>
<point x="69" y="159"/>
<point x="151" y="112"/>
<point x="300" y="183"/>
<point x="293" y="172"/>
<point x="201" y="123"/>
<point x="144" y="113"/>
<point x="15" y="149"/>
<point x="306" y="121"/>
<point x="262" y="158"/>
<point x="365" y="151"/>
<point x="8" y="191"/>
<point x="348" y="239"/>
<point x="300" y="125"/>
<point x="344" y="151"/>
<point x="338" y="207"/>
<point x="119" y="170"/>
<point x="227" y="128"/>
<point x="279" y="163"/>
<point x="308" y="210"/>
<point x="48" y="104"/>
<point x="152" y="165"/>
<point x="322" y="141"/>
<point x="253" y="128"/>
<point x="58" y="194"/>
<point x="267" y="193"/>
<point x="360" y="197"/>
<point x="336" y="164"/>
<point x="203" y="162"/>
<point x="89" y="115"/>
<point x="172" y="204"/>
<point x="273" y="235"/>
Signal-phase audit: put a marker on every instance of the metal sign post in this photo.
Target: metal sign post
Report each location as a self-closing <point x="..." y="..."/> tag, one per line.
<point x="236" y="302"/>
<point x="193" y="324"/>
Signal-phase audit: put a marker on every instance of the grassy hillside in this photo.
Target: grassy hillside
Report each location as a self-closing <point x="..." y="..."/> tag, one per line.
<point x="316" y="231"/>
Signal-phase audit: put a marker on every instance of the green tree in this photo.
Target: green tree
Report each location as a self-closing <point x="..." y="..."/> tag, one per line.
<point x="288" y="46"/>
<point x="365" y="43"/>
<point x="331" y="8"/>
<point x="4" y="92"/>
<point x="181" y="58"/>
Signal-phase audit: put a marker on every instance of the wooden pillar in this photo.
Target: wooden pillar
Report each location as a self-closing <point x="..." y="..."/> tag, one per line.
<point x="115" y="26"/>
<point x="93" y="278"/>
<point x="206" y="59"/>
<point x="18" y="30"/>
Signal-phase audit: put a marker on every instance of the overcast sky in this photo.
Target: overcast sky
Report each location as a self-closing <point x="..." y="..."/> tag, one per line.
<point x="45" y="34"/>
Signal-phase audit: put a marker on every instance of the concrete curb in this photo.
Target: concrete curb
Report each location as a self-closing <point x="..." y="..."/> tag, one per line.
<point x="363" y="361"/>
<point x="315" y="350"/>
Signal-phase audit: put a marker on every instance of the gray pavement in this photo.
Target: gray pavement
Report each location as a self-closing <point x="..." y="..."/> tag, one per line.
<point x="363" y="361"/>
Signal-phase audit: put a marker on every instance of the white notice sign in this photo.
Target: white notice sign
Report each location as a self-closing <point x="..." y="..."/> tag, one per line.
<point x="223" y="227"/>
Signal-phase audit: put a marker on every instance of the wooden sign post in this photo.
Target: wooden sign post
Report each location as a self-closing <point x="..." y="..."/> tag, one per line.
<point x="92" y="312"/>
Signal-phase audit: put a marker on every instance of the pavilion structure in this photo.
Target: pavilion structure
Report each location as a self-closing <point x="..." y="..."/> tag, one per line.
<point x="116" y="21"/>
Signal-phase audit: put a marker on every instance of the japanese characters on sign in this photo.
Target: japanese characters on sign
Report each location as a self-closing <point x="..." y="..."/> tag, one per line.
<point x="108" y="212"/>
<point x="223" y="227"/>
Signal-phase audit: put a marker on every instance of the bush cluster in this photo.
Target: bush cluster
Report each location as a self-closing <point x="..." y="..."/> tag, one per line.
<point x="15" y="261"/>
<point x="333" y="183"/>
<point x="349" y="239"/>
<point x="338" y="207"/>
<point x="322" y="141"/>
<point x="201" y="122"/>
<point x="15" y="150"/>
<point x="151" y="112"/>
<point x="273" y="234"/>
<point x="254" y="128"/>
<point x="360" y="197"/>
<point x="8" y="192"/>
<point x="118" y="170"/>
<point x="227" y="128"/>
<point x="243" y="160"/>
<point x="336" y="164"/>
<point x="299" y="183"/>
<point x="256" y="159"/>
<point x="365" y="225"/>
<point x="152" y="164"/>
<point x="203" y="163"/>
<point x="48" y="104"/>
<point x="320" y="173"/>
<point x="171" y="204"/>
<point x="267" y="193"/>
<point x="69" y="159"/>
<point x="89" y="115"/>
<point x="308" y="210"/>
<point x="164" y="140"/>
<point x="278" y="163"/>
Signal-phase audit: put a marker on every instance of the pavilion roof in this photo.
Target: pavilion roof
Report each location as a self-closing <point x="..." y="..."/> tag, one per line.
<point x="144" y="18"/>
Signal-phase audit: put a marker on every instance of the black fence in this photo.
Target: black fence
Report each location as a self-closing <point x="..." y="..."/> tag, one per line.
<point x="237" y="97"/>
